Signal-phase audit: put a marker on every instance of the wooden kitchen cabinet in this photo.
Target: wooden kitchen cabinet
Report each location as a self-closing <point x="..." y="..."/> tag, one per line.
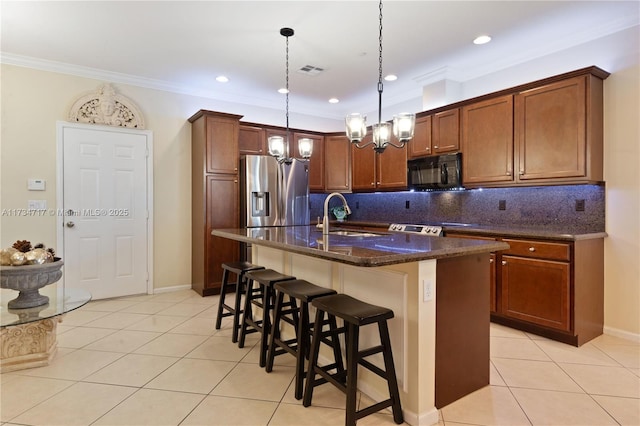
<point x="551" y="288"/>
<point x="558" y="131"/>
<point x="214" y="196"/>
<point x="219" y="132"/>
<point x="371" y="171"/>
<point x="487" y="141"/>
<point x="316" y="162"/>
<point x="446" y="131"/>
<point x="337" y="165"/>
<point x="420" y="145"/>
<point x="252" y="140"/>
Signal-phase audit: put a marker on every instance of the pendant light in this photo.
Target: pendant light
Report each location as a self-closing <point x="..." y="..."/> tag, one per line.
<point x="278" y="145"/>
<point x="403" y="124"/>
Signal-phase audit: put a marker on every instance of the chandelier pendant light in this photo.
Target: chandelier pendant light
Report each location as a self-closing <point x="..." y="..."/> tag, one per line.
<point x="278" y="145"/>
<point x="403" y="124"/>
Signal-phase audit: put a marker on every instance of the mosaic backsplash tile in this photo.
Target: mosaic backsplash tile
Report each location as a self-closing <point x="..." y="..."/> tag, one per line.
<point x="553" y="206"/>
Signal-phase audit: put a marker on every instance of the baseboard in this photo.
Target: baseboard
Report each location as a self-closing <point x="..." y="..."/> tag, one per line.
<point x="172" y="288"/>
<point x="616" y="332"/>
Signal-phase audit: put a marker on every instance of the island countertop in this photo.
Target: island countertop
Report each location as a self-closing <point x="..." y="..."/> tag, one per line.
<point x="378" y="249"/>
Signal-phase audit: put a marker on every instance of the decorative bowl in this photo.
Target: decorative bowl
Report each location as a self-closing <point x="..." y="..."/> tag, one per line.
<point x="28" y="279"/>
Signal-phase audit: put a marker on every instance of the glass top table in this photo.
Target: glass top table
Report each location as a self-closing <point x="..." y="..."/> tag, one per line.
<point x="61" y="301"/>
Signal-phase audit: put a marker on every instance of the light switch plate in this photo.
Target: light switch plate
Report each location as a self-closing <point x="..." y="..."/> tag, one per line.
<point x="36" y="184"/>
<point x="37" y="205"/>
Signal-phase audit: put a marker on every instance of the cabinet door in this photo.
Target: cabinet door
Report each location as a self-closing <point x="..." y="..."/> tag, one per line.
<point x="420" y="145"/>
<point x="222" y="145"/>
<point x="537" y="291"/>
<point x="222" y="212"/>
<point x="252" y="140"/>
<point x="446" y="131"/>
<point x="337" y="163"/>
<point x="391" y="168"/>
<point x="316" y="162"/>
<point x="363" y="167"/>
<point x="550" y="130"/>
<point x="487" y="141"/>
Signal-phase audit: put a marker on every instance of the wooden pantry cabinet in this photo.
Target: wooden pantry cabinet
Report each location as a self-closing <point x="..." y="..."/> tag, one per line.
<point x="214" y="196"/>
<point x="548" y="287"/>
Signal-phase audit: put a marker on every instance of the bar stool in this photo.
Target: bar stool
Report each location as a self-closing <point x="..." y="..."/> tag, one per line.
<point x="300" y="293"/>
<point x="262" y="297"/>
<point x="239" y="269"/>
<point x="354" y="313"/>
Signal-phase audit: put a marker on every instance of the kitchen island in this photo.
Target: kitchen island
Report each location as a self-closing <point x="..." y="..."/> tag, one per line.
<point x="437" y="287"/>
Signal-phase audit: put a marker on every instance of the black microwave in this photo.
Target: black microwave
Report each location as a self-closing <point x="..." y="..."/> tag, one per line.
<point x="435" y="173"/>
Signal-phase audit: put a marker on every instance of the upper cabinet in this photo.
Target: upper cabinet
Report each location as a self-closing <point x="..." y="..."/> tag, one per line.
<point x="316" y="162"/>
<point x="446" y="131"/>
<point x="548" y="132"/>
<point x="371" y="171"/>
<point x="487" y="141"/>
<point x="219" y="132"/>
<point x="420" y="145"/>
<point x="252" y="140"/>
<point x="558" y="131"/>
<point x="337" y="170"/>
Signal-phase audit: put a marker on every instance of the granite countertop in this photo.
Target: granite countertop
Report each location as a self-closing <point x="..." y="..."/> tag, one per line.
<point x="379" y="249"/>
<point x="545" y="232"/>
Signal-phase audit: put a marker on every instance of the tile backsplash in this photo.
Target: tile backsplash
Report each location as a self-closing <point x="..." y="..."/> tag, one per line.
<point x="581" y="206"/>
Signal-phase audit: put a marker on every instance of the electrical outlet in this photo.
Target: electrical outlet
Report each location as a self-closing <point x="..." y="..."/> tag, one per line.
<point x="427" y="288"/>
<point x="357" y="204"/>
<point x="502" y="204"/>
<point x="579" y="205"/>
<point x="406" y="204"/>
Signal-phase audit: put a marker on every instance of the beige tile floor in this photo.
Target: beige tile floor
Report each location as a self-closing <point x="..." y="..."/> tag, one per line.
<point x="157" y="360"/>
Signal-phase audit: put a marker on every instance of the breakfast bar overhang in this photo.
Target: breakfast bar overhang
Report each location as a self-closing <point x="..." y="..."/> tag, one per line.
<point x="438" y="288"/>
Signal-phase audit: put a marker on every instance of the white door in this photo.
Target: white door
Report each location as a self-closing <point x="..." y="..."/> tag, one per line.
<point x="105" y="213"/>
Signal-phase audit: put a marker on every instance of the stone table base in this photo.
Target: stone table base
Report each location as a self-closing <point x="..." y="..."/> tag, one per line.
<point x="28" y="345"/>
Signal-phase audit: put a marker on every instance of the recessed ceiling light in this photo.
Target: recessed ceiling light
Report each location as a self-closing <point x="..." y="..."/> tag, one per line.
<point x="483" y="39"/>
<point x="391" y="77"/>
<point x="222" y="79"/>
<point x="334" y="100"/>
<point x="283" y="90"/>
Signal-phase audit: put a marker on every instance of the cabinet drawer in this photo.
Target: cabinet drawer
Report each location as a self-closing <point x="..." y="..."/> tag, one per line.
<point x="538" y="249"/>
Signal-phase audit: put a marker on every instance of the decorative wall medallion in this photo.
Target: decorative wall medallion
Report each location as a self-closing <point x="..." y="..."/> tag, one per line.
<point x="105" y="106"/>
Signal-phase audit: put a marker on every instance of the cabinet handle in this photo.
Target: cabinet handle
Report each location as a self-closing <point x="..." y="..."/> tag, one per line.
<point x="508" y="173"/>
<point x="532" y="249"/>
<point x="435" y="147"/>
<point x="235" y="181"/>
<point x="490" y="260"/>
<point x="373" y="184"/>
<point x="378" y="183"/>
<point x="504" y="262"/>
<point x="521" y="172"/>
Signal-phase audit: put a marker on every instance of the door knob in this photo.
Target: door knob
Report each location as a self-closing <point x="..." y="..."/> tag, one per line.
<point x="70" y="224"/>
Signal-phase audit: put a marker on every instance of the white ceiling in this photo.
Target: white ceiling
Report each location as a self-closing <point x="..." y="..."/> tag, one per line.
<point x="182" y="46"/>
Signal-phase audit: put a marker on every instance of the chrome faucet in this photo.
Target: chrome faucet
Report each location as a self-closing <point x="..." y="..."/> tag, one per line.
<point x="325" y="219"/>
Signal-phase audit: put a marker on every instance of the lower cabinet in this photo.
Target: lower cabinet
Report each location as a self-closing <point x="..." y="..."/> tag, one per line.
<point x="537" y="291"/>
<point x="551" y="288"/>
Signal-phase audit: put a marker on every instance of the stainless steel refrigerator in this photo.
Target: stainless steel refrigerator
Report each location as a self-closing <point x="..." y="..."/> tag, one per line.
<point x="272" y="193"/>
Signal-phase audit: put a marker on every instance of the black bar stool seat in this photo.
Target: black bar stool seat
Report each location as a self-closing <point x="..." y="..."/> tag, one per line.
<point x="261" y="296"/>
<point x="300" y="294"/>
<point x="355" y="313"/>
<point x="224" y="310"/>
